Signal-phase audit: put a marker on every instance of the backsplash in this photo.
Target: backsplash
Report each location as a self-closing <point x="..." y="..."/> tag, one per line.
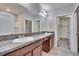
<point x="8" y="37"/>
<point x="14" y="36"/>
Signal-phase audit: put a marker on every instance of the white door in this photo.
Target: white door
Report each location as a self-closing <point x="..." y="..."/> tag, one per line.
<point x="73" y="33"/>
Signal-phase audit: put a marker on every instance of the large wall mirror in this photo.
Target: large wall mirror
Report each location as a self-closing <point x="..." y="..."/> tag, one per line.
<point x="6" y="22"/>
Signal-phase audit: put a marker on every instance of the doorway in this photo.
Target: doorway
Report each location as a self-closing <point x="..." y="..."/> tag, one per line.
<point x="64" y="32"/>
<point x="28" y="26"/>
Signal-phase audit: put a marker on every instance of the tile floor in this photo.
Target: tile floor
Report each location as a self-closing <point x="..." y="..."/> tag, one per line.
<point x="61" y="50"/>
<point x="64" y="43"/>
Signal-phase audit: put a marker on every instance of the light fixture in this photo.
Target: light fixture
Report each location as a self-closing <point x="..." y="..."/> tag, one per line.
<point x="43" y="13"/>
<point x="7" y="9"/>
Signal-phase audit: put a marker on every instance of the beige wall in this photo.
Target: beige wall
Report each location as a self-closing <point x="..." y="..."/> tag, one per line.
<point x="17" y="24"/>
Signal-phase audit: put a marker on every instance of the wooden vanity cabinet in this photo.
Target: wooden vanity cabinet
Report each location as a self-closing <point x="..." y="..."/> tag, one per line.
<point x="34" y="49"/>
<point x="30" y="50"/>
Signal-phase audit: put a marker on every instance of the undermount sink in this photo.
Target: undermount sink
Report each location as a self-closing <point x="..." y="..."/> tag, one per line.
<point x="23" y="39"/>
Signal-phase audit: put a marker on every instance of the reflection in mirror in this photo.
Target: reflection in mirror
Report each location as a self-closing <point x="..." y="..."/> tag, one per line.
<point x="28" y="26"/>
<point x="37" y="26"/>
<point x="6" y="23"/>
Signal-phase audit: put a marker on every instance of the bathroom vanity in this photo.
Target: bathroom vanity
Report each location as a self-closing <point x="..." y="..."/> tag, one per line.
<point x="41" y="42"/>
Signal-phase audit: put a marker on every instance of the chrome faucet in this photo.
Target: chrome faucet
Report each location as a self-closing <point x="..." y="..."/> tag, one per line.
<point x="20" y="36"/>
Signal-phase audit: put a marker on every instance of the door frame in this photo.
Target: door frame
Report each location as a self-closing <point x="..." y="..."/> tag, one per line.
<point x="56" y="31"/>
<point x="57" y="24"/>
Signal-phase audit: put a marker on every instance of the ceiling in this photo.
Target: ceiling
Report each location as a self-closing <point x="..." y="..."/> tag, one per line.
<point x="14" y="8"/>
<point x="32" y="8"/>
<point x="53" y="6"/>
<point x="35" y="8"/>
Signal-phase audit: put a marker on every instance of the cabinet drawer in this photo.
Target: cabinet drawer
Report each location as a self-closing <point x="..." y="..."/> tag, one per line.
<point x="20" y="52"/>
<point x="46" y="39"/>
<point x="34" y="45"/>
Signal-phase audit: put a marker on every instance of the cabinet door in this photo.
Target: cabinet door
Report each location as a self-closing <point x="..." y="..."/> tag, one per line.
<point x="29" y="54"/>
<point x="37" y="51"/>
<point x="51" y="43"/>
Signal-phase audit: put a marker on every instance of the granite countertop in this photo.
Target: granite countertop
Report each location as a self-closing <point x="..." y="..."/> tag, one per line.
<point x="8" y="45"/>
